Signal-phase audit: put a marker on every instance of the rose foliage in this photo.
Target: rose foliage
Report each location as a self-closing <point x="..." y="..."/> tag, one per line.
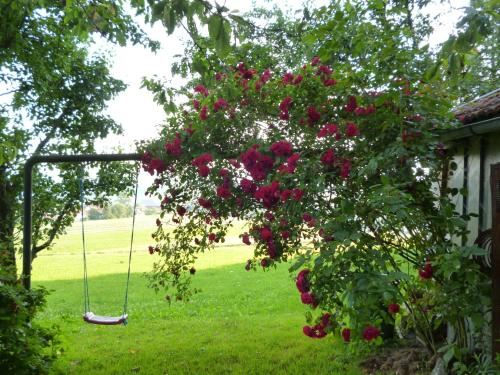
<point x="342" y="181"/>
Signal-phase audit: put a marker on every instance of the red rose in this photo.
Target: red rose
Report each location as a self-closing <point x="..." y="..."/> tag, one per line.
<point x="325" y="70"/>
<point x="351" y="104"/>
<point x="223" y="172"/>
<point x="320" y="331"/>
<point x="157" y="165"/>
<point x="285" y="104"/>
<point x="248" y="186"/>
<point x="325" y="319"/>
<point x="174" y="148"/>
<point x="285" y="194"/>
<point x="223" y="192"/>
<point x="271" y="250"/>
<point x="201" y="160"/>
<point x="264" y="262"/>
<point x="306" y="217"/>
<point x="313" y="114"/>
<point x="316" y="332"/>
<point x="297" y="194"/>
<point x="351" y="130"/>
<point x="307" y="298"/>
<point x="203" y="170"/>
<point x="345" y="169"/>
<point x="287" y="78"/>
<point x="214" y="213"/>
<point x="235" y="163"/>
<point x="328" y="158"/>
<point x="308" y="331"/>
<point x="204" y="113"/>
<point x="298" y="79"/>
<point x="212" y="237"/>
<point x="220" y="104"/>
<point x="426" y="272"/>
<point x="371" y="333"/>
<point x="393" y="308"/>
<point x="181" y="210"/>
<point x="329" y="82"/>
<point x="201" y="89"/>
<point x="151" y="249"/>
<point x="266" y="234"/>
<point x="269" y="195"/>
<point x="281" y="148"/>
<point x="315" y="61"/>
<point x="205" y="203"/>
<point x="246" y="238"/>
<point x="302" y="281"/>
<point x="269" y="216"/>
<point x="328" y="129"/>
<point x="346" y="334"/>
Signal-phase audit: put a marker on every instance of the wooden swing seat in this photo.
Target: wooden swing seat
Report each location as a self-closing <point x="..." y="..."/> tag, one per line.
<point x="91" y="318"/>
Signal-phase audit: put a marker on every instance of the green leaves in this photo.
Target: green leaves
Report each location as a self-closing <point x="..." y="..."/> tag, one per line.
<point x="219" y="31"/>
<point x="169" y="19"/>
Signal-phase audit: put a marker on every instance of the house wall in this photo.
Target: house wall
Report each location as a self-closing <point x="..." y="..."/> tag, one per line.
<point x="468" y="153"/>
<point x="492" y="157"/>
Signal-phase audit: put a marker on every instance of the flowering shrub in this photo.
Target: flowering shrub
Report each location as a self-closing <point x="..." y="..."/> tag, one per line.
<point x="25" y="347"/>
<point x="342" y="181"/>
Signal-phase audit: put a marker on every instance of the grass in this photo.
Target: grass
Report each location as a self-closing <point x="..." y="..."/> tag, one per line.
<point x="241" y="323"/>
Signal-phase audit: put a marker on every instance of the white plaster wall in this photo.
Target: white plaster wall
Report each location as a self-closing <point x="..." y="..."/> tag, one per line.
<point x="473" y="188"/>
<point x="456" y="181"/>
<point x="492" y="156"/>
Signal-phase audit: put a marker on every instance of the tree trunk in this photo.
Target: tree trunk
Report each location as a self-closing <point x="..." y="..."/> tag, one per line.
<point x="7" y="225"/>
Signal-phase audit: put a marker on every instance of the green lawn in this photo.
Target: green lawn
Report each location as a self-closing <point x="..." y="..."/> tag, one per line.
<point x="241" y="323"/>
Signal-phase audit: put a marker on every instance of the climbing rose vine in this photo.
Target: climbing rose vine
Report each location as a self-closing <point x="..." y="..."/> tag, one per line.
<point x="343" y="182"/>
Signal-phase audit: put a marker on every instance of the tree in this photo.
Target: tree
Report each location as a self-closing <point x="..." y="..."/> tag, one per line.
<point x="469" y="59"/>
<point x="53" y="95"/>
<point x="60" y="91"/>
<point x="334" y="164"/>
<point x="95" y="214"/>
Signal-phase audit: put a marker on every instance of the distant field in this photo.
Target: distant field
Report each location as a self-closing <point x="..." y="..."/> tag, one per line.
<point x="241" y="323"/>
<point x="114" y="235"/>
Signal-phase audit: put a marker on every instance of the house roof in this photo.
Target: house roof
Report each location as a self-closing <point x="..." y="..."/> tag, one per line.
<point x="483" y="108"/>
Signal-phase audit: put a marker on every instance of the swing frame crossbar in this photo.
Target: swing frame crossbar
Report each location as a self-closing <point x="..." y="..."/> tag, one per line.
<point x="28" y="194"/>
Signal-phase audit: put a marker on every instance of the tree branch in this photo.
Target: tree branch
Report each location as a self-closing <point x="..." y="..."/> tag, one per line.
<point x="9" y="92"/>
<point x="53" y="232"/>
<point x="44" y="142"/>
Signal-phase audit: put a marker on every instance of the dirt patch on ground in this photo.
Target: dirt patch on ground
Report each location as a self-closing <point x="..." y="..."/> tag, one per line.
<point x="400" y="361"/>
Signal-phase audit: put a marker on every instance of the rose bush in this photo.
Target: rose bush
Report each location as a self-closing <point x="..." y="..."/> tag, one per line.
<point x="343" y="182"/>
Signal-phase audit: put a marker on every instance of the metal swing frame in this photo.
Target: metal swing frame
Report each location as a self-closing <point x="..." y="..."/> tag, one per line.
<point x="28" y="194"/>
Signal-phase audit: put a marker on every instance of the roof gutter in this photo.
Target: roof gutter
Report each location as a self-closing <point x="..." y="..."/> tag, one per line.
<point x="469" y="130"/>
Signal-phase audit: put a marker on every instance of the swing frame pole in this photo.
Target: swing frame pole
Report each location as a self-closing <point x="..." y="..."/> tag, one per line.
<point x="28" y="194"/>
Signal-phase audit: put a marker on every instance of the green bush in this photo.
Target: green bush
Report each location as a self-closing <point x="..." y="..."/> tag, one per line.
<point x="25" y="347"/>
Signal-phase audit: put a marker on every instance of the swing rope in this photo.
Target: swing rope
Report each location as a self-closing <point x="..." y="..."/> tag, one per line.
<point x="125" y="304"/>
<point x="88" y="316"/>
<point x="86" y="300"/>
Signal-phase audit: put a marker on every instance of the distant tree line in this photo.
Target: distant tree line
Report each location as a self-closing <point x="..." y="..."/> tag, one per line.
<point x="116" y="210"/>
<point x="119" y="209"/>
